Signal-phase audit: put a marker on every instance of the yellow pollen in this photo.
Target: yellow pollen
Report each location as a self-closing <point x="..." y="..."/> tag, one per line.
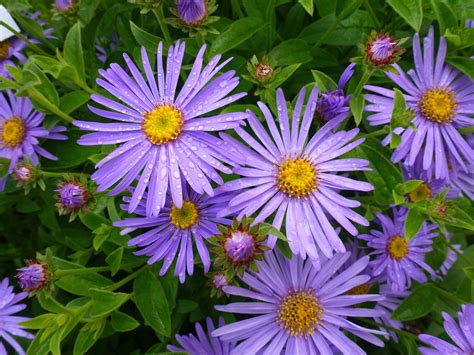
<point x="438" y="105"/>
<point x="163" y="124"/>
<point x="300" y="313"/>
<point x="186" y="216"/>
<point x="421" y="193"/>
<point x="296" y="177"/>
<point x="13" y="132"/>
<point x="397" y="247"/>
<point x="4" y="49"/>
<point x="359" y="290"/>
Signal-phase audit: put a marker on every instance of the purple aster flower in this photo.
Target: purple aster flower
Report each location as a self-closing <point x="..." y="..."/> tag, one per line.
<point x="441" y="99"/>
<point x="34" y="276"/>
<point x="334" y="103"/>
<point x="10" y="49"/>
<point x="387" y="306"/>
<point x="470" y="23"/>
<point x="462" y="335"/>
<point x="203" y="343"/>
<point x="174" y="230"/>
<point x="162" y="135"/>
<point x="191" y="12"/>
<point x="64" y="6"/>
<point x="300" y="309"/>
<point x="19" y="132"/>
<point x="395" y="258"/>
<point x="71" y="196"/>
<point x="296" y="177"/>
<point x="9" y="323"/>
<point x="451" y="257"/>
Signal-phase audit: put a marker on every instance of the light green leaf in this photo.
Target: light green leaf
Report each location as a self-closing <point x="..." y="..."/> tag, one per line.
<point x="413" y="222"/>
<point x="307" y="5"/>
<point x="357" y="107"/>
<point x="73" y="53"/>
<point x="149" y="41"/>
<point x="122" y="322"/>
<point x="464" y="64"/>
<point x="106" y="302"/>
<point x="410" y="10"/>
<point x="115" y="260"/>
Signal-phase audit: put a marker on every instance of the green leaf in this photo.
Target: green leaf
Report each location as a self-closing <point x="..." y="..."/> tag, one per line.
<point x="115" y="260"/>
<point x="48" y="65"/>
<point x="186" y="306"/>
<point x="410" y="10"/>
<point x="464" y="64"/>
<point x="149" y="41"/>
<point x="445" y="15"/>
<point x="4" y="165"/>
<point x="438" y="255"/>
<point x="292" y="51"/>
<point x="73" y="53"/>
<point x="88" y="335"/>
<point x="237" y="33"/>
<point x="283" y="75"/>
<point x="73" y="100"/>
<point x="39" y="322"/>
<point x="151" y="301"/>
<point x="80" y="284"/>
<point x="408" y="186"/>
<point x="413" y="222"/>
<point x="106" y="302"/>
<point x="323" y="81"/>
<point x="122" y="322"/>
<point x="469" y="271"/>
<point x="92" y="220"/>
<point x="418" y="304"/>
<point x="307" y="5"/>
<point x="357" y="107"/>
<point x="399" y="110"/>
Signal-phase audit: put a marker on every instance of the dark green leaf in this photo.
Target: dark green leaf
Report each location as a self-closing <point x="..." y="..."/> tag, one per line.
<point x="115" y="260"/>
<point x="106" y="302"/>
<point x="122" y="322"/>
<point x="149" y="41"/>
<point x="418" y="304"/>
<point x="464" y="64"/>
<point x="81" y="283"/>
<point x="73" y="100"/>
<point x="293" y="51"/>
<point x="73" y="53"/>
<point x="307" y="5"/>
<point x="410" y="10"/>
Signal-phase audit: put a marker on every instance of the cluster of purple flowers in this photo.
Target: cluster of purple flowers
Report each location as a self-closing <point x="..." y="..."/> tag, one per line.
<point x="170" y="147"/>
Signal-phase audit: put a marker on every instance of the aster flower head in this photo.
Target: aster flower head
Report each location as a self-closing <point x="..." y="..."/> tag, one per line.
<point x="24" y="173"/>
<point x="34" y="276"/>
<point x="176" y="229"/>
<point x="296" y="177"/>
<point x="191" y="12"/>
<point x="396" y="259"/>
<point x="240" y="245"/>
<point x="72" y="196"/>
<point x="441" y="99"/>
<point x="381" y="50"/>
<point x="217" y="282"/>
<point x="9" y="322"/>
<point x="461" y="333"/>
<point x="204" y="343"/>
<point x="65" y="6"/>
<point x="20" y="128"/>
<point x="300" y="309"/>
<point x="10" y="50"/>
<point x="162" y="135"/>
<point x="334" y="103"/>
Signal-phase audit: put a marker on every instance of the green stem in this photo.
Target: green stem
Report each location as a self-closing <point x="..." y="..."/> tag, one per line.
<point x="86" y="88"/>
<point x="327" y="33"/>
<point x="460" y="255"/>
<point x="164" y="28"/>
<point x="372" y="13"/>
<point x="62" y="273"/>
<point x="126" y="280"/>
<point x="365" y="78"/>
<point x="33" y="46"/>
<point x="398" y="331"/>
<point x="52" y="174"/>
<point x="469" y="129"/>
<point x="377" y="133"/>
<point x="449" y="295"/>
<point x="34" y="94"/>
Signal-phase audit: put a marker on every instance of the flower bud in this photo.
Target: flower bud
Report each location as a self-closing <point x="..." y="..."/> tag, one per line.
<point x="192" y="12"/>
<point x="71" y="196"/>
<point x="381" y="50"/>
<point x="65" y="6"/>
<point x="33" y="277"/>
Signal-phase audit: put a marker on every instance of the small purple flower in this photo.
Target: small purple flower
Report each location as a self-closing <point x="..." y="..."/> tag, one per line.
<point x="219" y="281"/>
<point x="9" y="322"/>
<point x="300" y="309"/>
<point x="23" y="173"/>
<point x="71" y="196"/>
<point x="289" y="175"/>
<point x="470" y="23"/>
<point x="11" y="48"/>
<point x="441" y="99"/>
<point x="162" y="135"/>
<point x="334" y="103"/>
<point x="33" y="277"/>
<point x="204" y="343"/>
<point x="387" y="306"/>
<point x="462" y="335"/>
<point x="175" y="229"/>
<point x="19" y="132"/>
<point x="396" y="259"/>
<point x="239" y="246"/>
<point x="191" y="12"/>
<point x="64" y="6"/>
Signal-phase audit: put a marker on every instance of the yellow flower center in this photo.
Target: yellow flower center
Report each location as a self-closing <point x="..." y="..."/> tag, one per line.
<point x="438" y="105"/>
<point x="13" y="132"/>
<point x="300" y="313"/>
<point x="4" y="49"/>
<point x="163" y="124"/>
<point x="186" y="216"/>
<point x="421" y="193"/>
<point x="397" y="247"/>
<point x="296" y="177"/>
<point x="359" y="290"/>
